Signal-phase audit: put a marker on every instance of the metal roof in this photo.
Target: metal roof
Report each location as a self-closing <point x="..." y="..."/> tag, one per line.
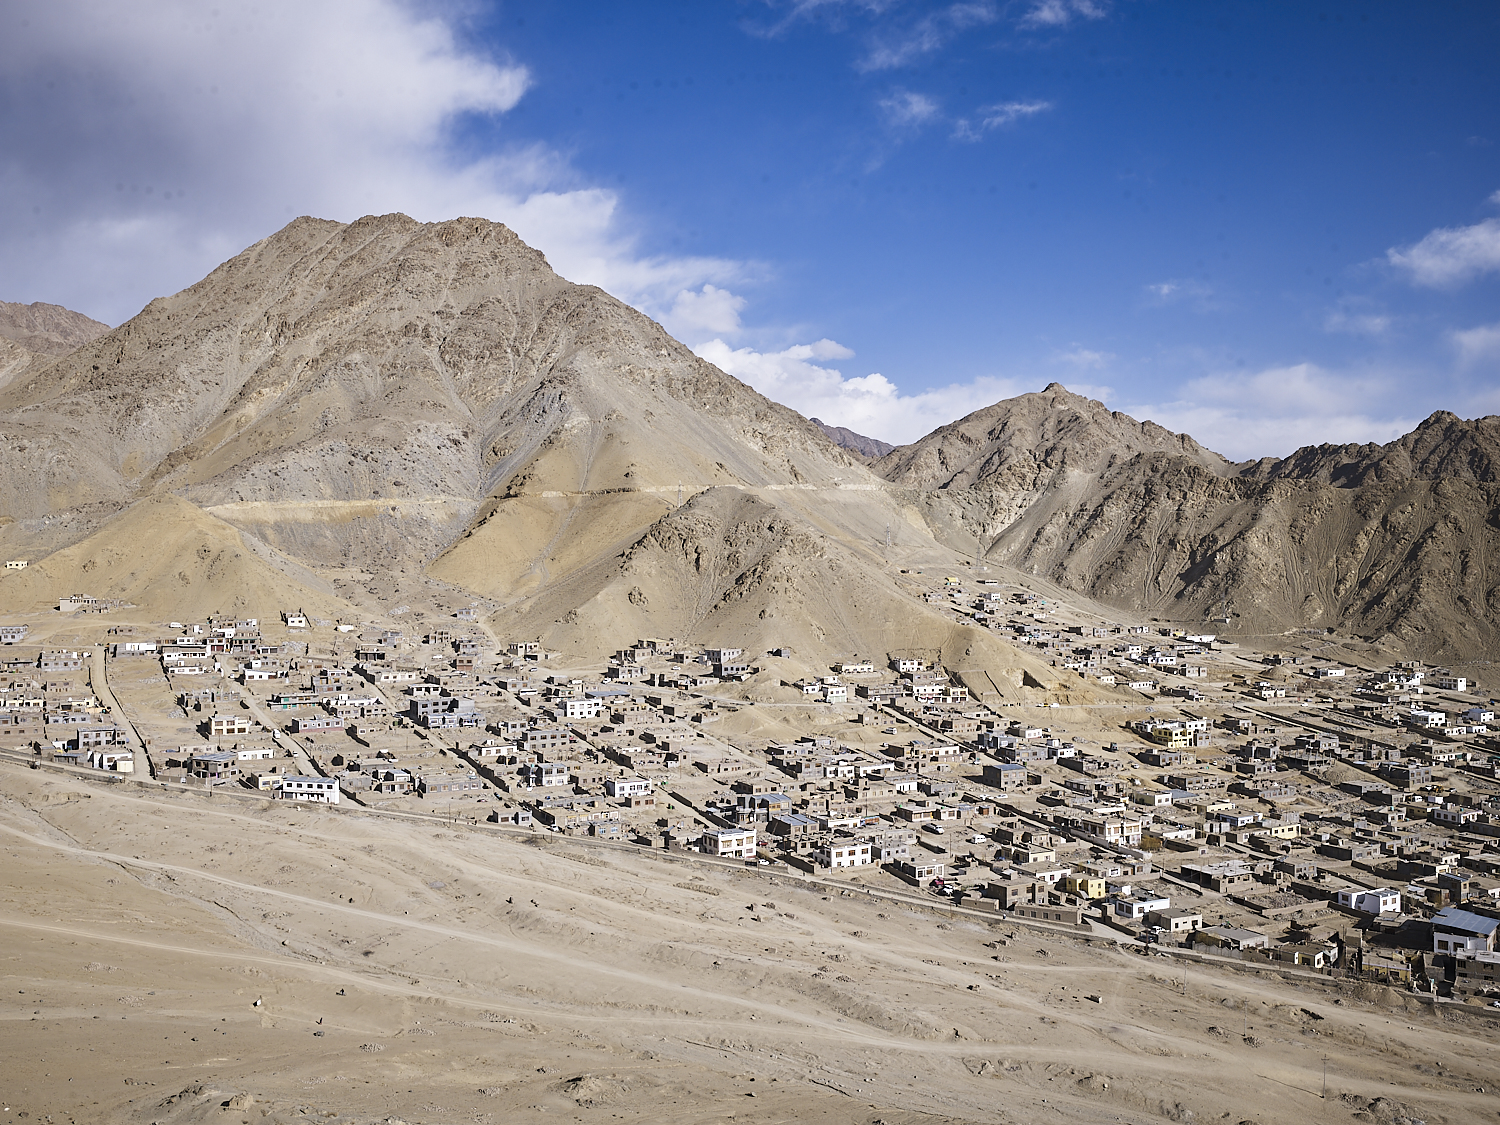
<point x="1464" y="921"/>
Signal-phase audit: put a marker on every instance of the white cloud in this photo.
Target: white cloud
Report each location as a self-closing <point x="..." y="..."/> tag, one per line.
<point x="906" y="109"/>
<point x="1450" y="256"/>
<point x="1477" y="345"/>
<point x="868" y="404"/>
<point x="144" y="143"/>
<point x="994" y="117"/>
<point x="900" y="46"/>
<point x="1175" y="290"/>
<point x="1060" y="13"/>
<point x="1272" y="412"/>
<point x="710" y="311"/>
<point x="1084" y="358"/>
<point x="1356" y="324"/>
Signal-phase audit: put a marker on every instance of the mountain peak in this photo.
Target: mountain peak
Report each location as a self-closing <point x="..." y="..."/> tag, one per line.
<point x="1035" y="434"/>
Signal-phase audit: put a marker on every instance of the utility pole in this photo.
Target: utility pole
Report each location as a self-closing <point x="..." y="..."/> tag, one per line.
<point x="1324" y="1094"/>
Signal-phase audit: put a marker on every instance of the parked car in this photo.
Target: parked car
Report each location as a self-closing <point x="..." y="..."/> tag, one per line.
<point x="937" y="828"/>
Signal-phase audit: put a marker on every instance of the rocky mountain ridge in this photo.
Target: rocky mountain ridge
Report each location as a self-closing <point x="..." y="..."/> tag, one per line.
<point x="845" y="438"/>
<point x="343" y="405"/>
<point x="1387" y="540"/>
<point x="346" y="408"/>
<point x="47" y="329"/>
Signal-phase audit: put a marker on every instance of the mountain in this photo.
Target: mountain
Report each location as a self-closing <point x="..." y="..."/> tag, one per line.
<point x="358" y="414"/>
<point x="30" y="335"/>
<point x="47" y="329"/>
<point x="382" y="416"/>
<point x="867" y="447"/>
<point x="1031" y="437"/>
<point x="1444" y="447"/>
<point x="1387" y="541"/>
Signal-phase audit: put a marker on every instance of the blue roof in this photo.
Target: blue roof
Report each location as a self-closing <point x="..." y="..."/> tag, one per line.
<point x="1464" y="921"/>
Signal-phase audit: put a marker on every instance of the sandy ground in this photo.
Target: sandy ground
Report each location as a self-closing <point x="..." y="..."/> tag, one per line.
<point x="433" y="975"/>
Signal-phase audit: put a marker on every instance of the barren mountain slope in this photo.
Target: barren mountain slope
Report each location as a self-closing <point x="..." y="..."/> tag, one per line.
<point x="1444" y="447"/>
<point x="1181" y="537"/>
<point x="1028" y="438"/>
<point x="172" y="559"/>
<point x="734" y="567"/>
<point x="393" y="361"/>
<point x="845" y="438"/>
<point x="389" y="395"/>
<point x="47" y="329"/>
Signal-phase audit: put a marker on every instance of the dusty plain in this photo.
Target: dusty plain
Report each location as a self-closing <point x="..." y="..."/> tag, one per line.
<point x="176" y="957"/>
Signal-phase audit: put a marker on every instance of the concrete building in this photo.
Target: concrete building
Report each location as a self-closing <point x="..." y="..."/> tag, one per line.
<point x="1455" y="930"/>
<point x="738" y="843"/>
<point x="320" y="790"/>
<point x="1385" y="900"/>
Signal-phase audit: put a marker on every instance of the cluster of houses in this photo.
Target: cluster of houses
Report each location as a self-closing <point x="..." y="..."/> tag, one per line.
<point x="46" y="702"/>
<point x="1357" y="837"/>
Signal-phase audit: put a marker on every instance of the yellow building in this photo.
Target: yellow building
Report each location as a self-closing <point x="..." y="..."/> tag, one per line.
<point x="1084" y="886"/>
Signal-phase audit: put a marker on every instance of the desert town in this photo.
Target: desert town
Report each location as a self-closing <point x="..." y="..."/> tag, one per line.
<point x="1305" y="806"/>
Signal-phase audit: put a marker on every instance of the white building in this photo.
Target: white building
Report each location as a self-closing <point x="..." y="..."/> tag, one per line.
<point x="627" y="786"/>
<point x="1139" y="907"/>
<point x="1386" y="900"/>
<point x="323" y="790"/>
<point x="1452" y="683"/>
<point x="582" y="708"/>
<point x="738" y="843"/>
<point x="1453" y="817"/>
<point x="844" y="853"/>
<point x="120" y="761"/>
<point x="1455" y="930"/>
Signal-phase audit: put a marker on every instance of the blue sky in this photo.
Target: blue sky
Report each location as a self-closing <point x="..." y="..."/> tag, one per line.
<point x="1264" y="224"/>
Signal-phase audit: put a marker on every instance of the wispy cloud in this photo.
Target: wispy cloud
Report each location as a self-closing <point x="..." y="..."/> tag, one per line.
<point x="800" y="377"/>
<point x="1357" y="324"/>
<point x="1085" y="358"/>
<point x="904" y="109"/>
<point x="1176" y="290"/>
<point x="899" y="46"/>
<point x="1477" y="346"/>
<point x="1060" y="13"/>
<point x="1450" y="256"/>
<point x="1270" y="413"/>
<point x="990" y="117"/>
